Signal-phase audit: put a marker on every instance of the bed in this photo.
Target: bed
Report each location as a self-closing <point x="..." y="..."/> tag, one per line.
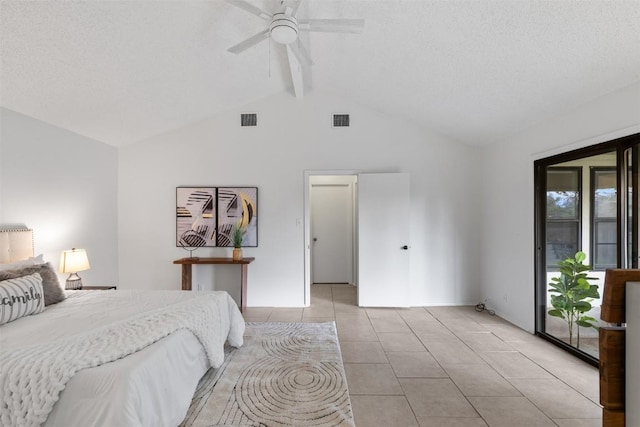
<point x="112" y="358"/>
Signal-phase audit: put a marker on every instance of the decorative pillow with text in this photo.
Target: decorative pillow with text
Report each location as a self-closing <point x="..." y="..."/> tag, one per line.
<point x="53" y="292"/>
<point x="20" y="297"/>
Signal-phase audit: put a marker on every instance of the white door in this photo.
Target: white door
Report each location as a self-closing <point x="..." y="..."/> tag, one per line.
<point x="332" y="229"/>
<point x="383" y="240"/>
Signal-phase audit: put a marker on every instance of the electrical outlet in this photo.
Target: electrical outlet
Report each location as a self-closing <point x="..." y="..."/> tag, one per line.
<point x="505" y="297"/>
<point x="199" y="287"/>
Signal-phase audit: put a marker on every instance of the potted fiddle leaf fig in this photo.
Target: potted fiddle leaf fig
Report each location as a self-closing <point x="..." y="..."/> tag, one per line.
<point x="237" y="234"/>
<point x="571" y="295"/>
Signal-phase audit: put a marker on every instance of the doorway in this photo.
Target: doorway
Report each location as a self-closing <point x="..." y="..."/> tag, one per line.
<point x="327" y="176"/>
<point x="380" y="236"/>
<point x="332" y="200"/>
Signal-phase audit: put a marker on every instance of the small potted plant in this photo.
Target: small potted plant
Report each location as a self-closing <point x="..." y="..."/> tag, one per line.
<point x="571" y="295"/>
<point x="237" y="233"/>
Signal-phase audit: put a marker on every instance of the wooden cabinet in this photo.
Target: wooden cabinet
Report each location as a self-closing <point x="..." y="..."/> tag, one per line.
<point x="613" y="346"/>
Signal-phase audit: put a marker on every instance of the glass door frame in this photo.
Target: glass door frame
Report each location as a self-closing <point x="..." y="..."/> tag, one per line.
<point x="620" y="145"/>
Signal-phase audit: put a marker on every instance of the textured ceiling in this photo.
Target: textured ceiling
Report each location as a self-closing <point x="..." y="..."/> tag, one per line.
<point x="475" y="71"/>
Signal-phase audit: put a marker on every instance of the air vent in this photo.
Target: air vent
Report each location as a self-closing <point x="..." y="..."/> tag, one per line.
<point x="340" y="120"/>
<point x="248" y="119"/>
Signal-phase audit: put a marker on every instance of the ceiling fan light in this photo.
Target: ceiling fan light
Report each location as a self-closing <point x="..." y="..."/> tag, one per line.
<point x="284" y="34"/>
<point x="284" y="29"/>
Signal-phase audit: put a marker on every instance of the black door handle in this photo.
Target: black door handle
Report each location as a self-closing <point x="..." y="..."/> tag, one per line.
<point x="405" y="247"/>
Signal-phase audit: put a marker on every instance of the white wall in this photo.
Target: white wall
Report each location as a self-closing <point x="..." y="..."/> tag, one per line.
<point x="293" y="136"/>
<point x="63" y="186"/>
<point x="472" y="208"/>
<point x="507" y="194"/>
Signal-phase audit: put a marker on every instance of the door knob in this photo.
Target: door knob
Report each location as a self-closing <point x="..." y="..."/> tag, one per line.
<point x="315" y="239"/>
<point x="405" y="247"/>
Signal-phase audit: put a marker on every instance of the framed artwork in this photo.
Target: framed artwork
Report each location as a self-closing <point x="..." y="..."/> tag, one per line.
<point x="206" y="215"/>
<point x="238" y="205"/>
<point x="196" y="220"/>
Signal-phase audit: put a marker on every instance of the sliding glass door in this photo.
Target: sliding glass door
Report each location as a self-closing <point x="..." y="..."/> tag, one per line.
<point x="586" y="213"/>
<point x="632" y="184"/>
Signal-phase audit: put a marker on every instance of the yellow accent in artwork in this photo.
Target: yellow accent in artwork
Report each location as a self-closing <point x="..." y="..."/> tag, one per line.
<point x="246" y="203"/>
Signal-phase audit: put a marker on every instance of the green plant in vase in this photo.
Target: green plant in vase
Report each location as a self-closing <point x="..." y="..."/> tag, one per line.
<point x="572" y="295"/>
<point x="237" y="234"/>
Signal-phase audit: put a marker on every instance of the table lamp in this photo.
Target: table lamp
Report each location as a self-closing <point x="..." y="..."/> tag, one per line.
<point x="71" y="262"/>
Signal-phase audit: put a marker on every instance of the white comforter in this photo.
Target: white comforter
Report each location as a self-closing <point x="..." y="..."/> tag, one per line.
<point x="41" y="353"/>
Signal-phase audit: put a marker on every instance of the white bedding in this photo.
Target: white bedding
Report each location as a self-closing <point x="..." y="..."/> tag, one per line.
<point x="151" y="387"/>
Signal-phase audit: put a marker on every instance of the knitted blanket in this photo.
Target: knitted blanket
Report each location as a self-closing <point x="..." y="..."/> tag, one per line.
<point x="32" y="378"/>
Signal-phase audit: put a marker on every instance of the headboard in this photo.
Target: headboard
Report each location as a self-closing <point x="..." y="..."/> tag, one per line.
<point x="15" y="245"/>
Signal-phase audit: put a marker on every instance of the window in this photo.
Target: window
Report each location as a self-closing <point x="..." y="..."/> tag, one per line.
<point x="604" y="224"/>
<point x="563" y="213"/>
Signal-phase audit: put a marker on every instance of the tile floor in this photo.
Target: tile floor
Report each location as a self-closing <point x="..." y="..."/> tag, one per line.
<point x="448" y="366"/>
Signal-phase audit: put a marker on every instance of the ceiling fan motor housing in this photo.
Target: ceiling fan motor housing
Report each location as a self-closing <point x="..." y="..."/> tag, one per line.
<point x="283" y="28"/>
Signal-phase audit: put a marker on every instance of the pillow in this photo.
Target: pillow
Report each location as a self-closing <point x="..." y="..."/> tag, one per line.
<point x="53" y="293"/>
<point x="20" y="297"/>
<point x="25" y="263"/>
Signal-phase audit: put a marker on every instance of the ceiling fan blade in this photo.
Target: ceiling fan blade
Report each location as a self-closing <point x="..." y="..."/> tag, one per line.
<point x="353" y="26"/>
<point x="242" y="4"/>
<point x="301" y="53"/>
<point x="295" y="66"/>
<point x="295" y="6"/>
<point x="251" y="41"/>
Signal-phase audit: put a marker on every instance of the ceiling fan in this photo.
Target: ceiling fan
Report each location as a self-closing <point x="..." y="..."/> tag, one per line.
<point x="284" y="28"/>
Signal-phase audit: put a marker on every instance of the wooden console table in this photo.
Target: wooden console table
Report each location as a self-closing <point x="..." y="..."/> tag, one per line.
<point x="243" y="263"/>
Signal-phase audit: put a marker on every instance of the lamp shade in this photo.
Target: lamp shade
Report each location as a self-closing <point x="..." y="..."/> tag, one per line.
<point x="74" y="260"/>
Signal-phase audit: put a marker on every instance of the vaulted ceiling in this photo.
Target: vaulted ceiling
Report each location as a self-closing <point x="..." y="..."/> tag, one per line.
<point x="475" y="71"/>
